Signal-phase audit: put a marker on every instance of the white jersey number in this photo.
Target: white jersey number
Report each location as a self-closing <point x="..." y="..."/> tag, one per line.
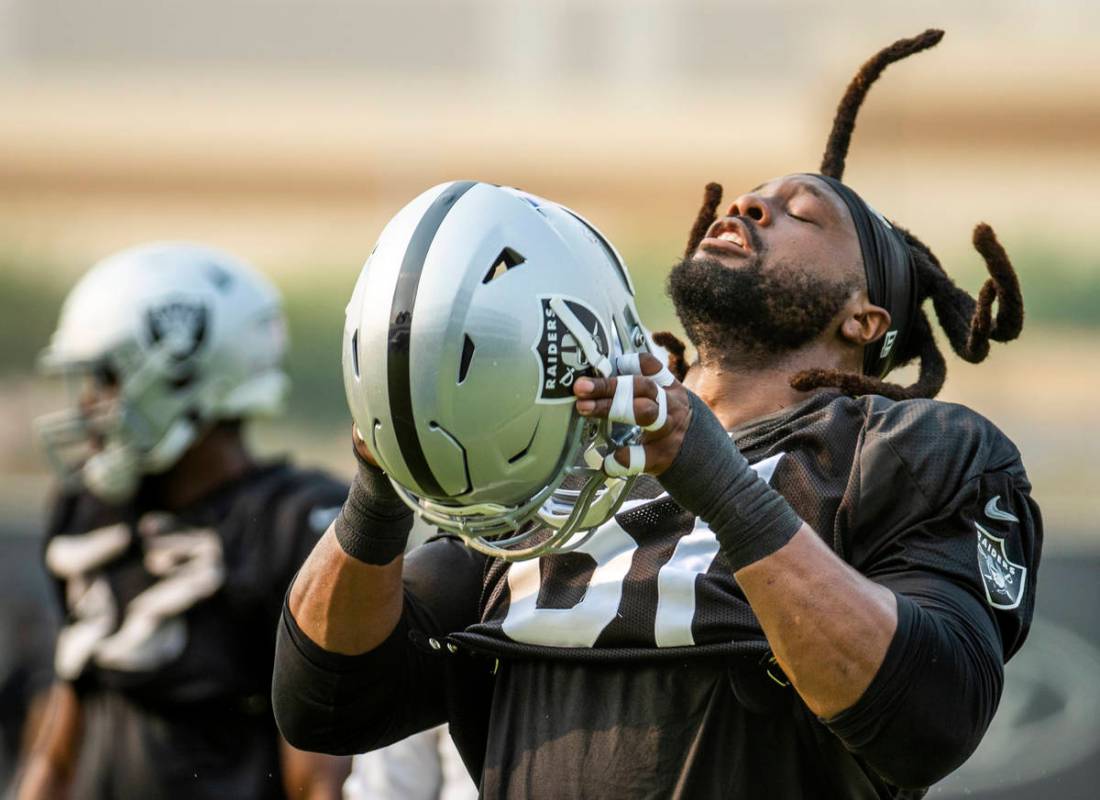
<point x="151" y="630"/>
<point x="613" y="550"/>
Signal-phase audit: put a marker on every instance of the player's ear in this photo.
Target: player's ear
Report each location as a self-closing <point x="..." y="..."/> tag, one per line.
<point x="864" y="323"/>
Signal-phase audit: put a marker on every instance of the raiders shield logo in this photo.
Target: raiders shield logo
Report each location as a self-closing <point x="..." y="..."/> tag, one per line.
<point x="178" y="326"/>
<point x="561" y="359"/>
<point x="1003" y="579"/>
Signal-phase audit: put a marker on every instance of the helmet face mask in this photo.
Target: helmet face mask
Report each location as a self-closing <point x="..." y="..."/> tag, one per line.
<point x="475" y="313"/>
<point x="566" y="515"/>
<point x="73" y="435"/>
<point x="166" y="340"/>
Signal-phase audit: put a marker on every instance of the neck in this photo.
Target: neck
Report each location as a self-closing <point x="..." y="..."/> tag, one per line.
<point x="738" y="393"/>
<point x="216" y="459"/>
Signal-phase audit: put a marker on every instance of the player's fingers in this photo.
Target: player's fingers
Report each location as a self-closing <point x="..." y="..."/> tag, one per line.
<point x="653" y="457"/>
<point x="622" y="402"/>
<point x="659" y="447"/>
<point x="598" y="388"/>
<point x="662" y="412"/>
<point x="625" y="461"/>
<point x="360" y="445"/>
<point x="634" y="401"/>
<point x="645" y="364"/>
<point x="625" y="409"/>
<point x="644" y="411"/>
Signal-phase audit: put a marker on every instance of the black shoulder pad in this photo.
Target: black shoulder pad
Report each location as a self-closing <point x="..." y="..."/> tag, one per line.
<point x="944" y="445"/>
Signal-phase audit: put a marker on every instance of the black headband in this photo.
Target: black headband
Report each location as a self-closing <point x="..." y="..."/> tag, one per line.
<point x="891" y="279"/>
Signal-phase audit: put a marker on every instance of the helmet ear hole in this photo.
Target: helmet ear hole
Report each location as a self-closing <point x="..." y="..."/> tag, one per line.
<point x="527" y="447"/>
<point x="467" y="357"/>
<point x="105" y="375"/>
<point x="355" y="352"/>
<point x="181" y="382"/>
<point x="507" y="259"/>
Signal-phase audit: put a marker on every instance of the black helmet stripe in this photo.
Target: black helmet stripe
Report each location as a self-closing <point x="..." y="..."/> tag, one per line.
<point x="606" y="245"/>
<point x="401" y="317"/>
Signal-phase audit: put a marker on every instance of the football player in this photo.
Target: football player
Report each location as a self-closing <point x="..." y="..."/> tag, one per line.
<point x="171" y="545"/>
<point x="810" y="593"/>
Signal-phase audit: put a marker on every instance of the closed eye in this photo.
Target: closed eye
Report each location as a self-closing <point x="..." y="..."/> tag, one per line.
<point x="801" y="219"/>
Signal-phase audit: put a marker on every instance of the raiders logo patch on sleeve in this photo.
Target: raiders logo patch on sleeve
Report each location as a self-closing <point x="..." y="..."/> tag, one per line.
<point x="1002" y="578"/>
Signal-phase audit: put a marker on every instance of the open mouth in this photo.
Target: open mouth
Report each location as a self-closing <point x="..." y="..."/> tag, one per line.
<point x="728" y="235"/>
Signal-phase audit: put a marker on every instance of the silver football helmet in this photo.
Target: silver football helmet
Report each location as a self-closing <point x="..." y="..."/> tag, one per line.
<point x="474" y="314"/>
<point x="183" y="336"/>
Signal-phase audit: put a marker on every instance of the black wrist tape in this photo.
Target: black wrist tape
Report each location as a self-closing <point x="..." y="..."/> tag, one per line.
<point x="713" y="480"/>
<point x="374" y="524"/>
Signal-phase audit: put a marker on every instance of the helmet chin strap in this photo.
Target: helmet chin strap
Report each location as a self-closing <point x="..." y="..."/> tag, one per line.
<point x="113" y="475"/>
<point x="165" y="453"/>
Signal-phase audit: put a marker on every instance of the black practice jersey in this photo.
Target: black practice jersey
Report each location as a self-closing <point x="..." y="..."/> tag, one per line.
<point x="168" y="635"/>
<point x="634" y="667"/>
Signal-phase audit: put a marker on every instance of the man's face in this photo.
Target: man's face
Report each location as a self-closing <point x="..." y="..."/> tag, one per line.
<point x="772" y="274"/>
<point x="97" y="403"/>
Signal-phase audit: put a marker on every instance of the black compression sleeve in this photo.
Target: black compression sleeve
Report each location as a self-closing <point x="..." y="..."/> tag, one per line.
<point x="373" y="526"/>
<point x="712" y="479"/>
<point x="932" y="699"/>
<point x="331" y="703"/>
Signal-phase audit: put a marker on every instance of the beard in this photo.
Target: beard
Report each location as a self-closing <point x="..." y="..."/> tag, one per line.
<point x="749" y="317"/>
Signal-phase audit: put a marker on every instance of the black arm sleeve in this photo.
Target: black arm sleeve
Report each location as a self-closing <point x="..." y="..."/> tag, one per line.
<point x="711" y="478"/>
<point x="943" y="517"/>
<point x="332" y="703"/>
<point x="937" y="689"/>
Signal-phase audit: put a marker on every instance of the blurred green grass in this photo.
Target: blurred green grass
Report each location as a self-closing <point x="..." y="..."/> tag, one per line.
<point x="1061" y="290"/>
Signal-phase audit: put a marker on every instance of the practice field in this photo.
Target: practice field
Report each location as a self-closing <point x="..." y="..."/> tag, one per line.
<point x="1044" y="742"/>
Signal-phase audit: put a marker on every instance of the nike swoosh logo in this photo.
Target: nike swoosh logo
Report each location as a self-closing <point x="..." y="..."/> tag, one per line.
<point x="993" y="512"/>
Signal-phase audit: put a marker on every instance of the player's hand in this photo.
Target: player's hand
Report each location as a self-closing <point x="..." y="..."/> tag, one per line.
<point x="636" y="397"/>
<point x="361" y="449"/>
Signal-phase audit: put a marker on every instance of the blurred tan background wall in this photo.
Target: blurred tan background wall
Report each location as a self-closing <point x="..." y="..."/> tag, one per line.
<point x="290" y="130"/>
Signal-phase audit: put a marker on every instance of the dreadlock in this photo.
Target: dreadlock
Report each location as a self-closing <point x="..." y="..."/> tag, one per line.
<point x="677" y="362"/>
<point x="969" y="323"/>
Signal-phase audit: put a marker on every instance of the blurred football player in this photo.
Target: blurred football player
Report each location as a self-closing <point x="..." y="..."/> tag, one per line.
<point x="811" y="591"/>
<point x="170" y="544"/>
